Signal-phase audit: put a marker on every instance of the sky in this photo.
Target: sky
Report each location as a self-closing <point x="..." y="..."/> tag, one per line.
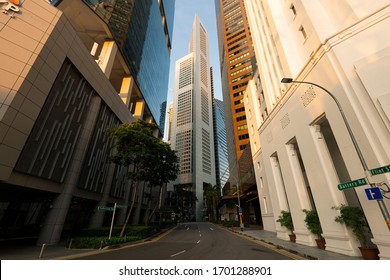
<point x="185" y="11"/>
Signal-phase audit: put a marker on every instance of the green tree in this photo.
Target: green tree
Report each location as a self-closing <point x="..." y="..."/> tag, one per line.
<point x="133" y="142"/>
<point x="212" y="195"/>
<point x="164" y="168"/>
<point x="183" y="202"/>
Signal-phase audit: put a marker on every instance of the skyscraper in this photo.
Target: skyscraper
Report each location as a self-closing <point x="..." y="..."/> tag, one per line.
<point x="143" y="31"/>
<point x="192" y="125"/>
<point x="238" y="64"/>
<point x="221" y="153"/>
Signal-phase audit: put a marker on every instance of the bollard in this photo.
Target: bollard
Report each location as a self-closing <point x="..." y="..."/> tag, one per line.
<point x="42" y="250"/>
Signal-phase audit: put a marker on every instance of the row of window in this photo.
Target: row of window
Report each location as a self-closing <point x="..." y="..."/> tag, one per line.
<point x="233" y="18"/>
<point x="238" y="45"/>
<point x="235" y="35"/>
<point x="238" y="58"/>
<point x="241" y="70"/>
<point x="240" y="63"/>
<point x="242" y="77"/>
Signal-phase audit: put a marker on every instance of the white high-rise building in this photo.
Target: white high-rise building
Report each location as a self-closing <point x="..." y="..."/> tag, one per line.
<point x="192" y="124"/>
<point x="302" y="145"/>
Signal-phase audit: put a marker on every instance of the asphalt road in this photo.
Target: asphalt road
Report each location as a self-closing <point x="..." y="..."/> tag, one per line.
<point x="193" y="241"/>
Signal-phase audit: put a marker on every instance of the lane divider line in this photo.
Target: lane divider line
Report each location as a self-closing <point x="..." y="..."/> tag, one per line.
<point x="174" y="255"/>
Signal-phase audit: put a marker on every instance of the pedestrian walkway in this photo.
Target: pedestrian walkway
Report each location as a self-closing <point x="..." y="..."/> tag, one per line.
<point x="28" y="251"/>
<point x="307" y="252"/>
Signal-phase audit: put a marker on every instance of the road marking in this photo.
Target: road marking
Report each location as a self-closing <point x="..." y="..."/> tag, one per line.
<point x="200" y="235"/>
<point x="198" y="242"/>
<point x="211" y="228"/>
<point x="174" y="255"/>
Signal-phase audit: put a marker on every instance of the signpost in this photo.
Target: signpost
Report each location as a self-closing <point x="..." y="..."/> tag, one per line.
<point x="111" y="209"/>
<point x="352" y="184"/>
<point x="380" y="170"/>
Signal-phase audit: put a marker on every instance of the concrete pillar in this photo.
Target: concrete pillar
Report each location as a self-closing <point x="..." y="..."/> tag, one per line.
<point x="126" y="90"/>
<point x="107" y="57"/>
<point x="139" y="109"/>
<point x="98" y="217"/>
<point x="52" y="227"/>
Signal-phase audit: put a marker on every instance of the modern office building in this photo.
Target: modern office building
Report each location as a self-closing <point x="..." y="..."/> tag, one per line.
<point x="143" y="31"/>
<point x="330" y="124"/>
<point x="220" y="146"/>
<point x="63" y="83"/>
<point x="192" y="134"/>
<point x="239" y="58"/>
<point x="238" y="63"/>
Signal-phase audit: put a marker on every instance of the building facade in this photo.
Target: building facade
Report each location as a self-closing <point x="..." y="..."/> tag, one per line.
<point x="238" y="64"/>
<point x="220" y="146"/>
<point x="63" y="84"/>
<point x="192" y="134"/>
<point x="304" y="148"/>
<point x="143" y="31"/>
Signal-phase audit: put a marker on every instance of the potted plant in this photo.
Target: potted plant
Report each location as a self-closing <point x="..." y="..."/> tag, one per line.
<point x="353" y="217"/>
<point x="285" y="220"/>
<point x="314" y="226"/>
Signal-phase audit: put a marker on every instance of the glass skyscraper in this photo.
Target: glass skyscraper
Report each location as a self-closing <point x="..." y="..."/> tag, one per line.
<point x="143" y="32"/>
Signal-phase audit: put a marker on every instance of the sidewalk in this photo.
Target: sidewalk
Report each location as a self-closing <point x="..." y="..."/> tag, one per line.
<point x="310" y="253"/>
<point x="29" y="251"/>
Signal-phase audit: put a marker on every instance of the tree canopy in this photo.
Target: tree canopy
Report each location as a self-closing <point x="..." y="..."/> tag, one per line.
<point x="149" y="158"/>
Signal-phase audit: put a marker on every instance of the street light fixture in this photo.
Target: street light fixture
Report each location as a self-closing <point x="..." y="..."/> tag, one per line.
<point x="381" y="204"/>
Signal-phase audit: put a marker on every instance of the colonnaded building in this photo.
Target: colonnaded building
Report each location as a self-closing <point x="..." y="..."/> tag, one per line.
<point x="336" y="58"/>
<point x="67" y="74"/>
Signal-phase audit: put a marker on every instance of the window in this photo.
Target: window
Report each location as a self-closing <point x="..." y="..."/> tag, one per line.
<point x="292" y="8"/>
<point x="303" y="32"/>
<point x="243" y="136"/>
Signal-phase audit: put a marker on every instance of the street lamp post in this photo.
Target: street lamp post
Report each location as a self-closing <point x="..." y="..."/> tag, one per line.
<point x="239" y="207"/>
<point x="381" y="204"/>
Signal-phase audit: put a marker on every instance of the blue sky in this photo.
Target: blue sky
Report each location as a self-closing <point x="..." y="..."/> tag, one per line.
<point x="185" y="11"/>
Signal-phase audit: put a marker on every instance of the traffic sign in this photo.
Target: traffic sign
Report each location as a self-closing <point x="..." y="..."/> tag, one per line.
<point x="352" y="184"/>
<point x="105" y="208"/>
<point x="121" y="206"/>
<point x="374" y="193"/>
<point x="380" y="170"/>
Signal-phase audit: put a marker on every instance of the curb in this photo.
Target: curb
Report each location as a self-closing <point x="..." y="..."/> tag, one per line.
<point x="279" y="247"/>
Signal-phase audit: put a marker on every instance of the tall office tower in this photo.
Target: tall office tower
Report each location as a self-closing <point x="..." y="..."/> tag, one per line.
<point x="221" y="153"/>
<point x="238" y="64"/>
<point x="323" y="117"/>
<point x="192" y="125"/>
<point x="143" y="32"/>
<point x="220" y="144"/>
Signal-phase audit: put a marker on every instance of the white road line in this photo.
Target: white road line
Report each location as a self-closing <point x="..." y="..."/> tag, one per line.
<point x="198" y="242"/>
<point x="174" y="255"/>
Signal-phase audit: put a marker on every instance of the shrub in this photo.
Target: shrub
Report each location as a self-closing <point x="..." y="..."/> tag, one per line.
<point x="285" y="220"/>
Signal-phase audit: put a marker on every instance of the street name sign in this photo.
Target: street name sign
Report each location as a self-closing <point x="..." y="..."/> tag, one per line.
<point x="352" y="184"/>
<point x="105" y="208"/>
<point x="380" y="170"/>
